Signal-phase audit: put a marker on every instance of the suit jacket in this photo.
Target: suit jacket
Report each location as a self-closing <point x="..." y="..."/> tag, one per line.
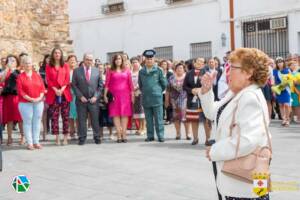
<point x="58" y="80"/>
<point x="88" y="89"/>
<point x="189" y="84"/>
<point x="249" y="117"/>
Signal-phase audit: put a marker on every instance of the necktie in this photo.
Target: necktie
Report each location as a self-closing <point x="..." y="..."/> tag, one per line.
<point x="87" y="75"/>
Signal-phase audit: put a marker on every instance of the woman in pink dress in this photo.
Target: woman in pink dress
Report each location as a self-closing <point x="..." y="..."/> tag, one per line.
<point x="119" y="94"/>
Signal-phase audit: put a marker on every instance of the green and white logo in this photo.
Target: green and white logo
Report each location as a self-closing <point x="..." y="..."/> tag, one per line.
<point x="21" y="184"/>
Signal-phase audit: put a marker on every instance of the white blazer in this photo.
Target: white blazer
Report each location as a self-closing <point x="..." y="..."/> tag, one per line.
<point x="249" y="116"/>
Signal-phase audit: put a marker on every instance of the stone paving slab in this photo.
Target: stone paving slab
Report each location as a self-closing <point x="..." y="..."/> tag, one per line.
<point x="136" y="170"/>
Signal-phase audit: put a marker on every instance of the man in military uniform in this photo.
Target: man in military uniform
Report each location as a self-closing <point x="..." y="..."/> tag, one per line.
<point x="152" y="84"/>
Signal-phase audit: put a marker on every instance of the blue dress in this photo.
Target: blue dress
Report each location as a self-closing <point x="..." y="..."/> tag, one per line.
<point x="285" y="96"/>
<point x="73" y="111"/>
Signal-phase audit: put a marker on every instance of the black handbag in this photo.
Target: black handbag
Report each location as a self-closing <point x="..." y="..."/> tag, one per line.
<point x="11" y="86"/>
<point x="110" y="97"/>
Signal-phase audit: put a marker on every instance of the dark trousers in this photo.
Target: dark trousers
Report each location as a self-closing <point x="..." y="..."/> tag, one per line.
<point x="1" y="130"/>
<point x="154" y="118"/>
<point x="167" y="112"/>
<point x="83" y="109"/>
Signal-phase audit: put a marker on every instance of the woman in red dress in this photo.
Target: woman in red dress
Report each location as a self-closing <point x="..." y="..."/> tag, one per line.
<point x="11" y="112"/>
<point x="59" y="95"/>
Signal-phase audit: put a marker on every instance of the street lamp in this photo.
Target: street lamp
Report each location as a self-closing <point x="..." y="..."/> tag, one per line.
<point x="223" y="39"/>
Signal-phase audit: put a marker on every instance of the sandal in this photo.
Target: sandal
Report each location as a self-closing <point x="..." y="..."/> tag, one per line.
<point x="37" y="146"/>
<point x="287" y="124"/>
<point x="57" y="141"/>
<point x="22" y="140"/>
<point x="44" y="137"/>
<point x="30" y="147"/>
<point x="65" y="142"/>
<point x="9" y="141"/>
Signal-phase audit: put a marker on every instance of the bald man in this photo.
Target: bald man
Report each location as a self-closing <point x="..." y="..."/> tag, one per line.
<point x="87" y="86"/>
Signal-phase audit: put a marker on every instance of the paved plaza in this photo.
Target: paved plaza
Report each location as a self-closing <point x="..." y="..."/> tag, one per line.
<point x="136" y="170"/>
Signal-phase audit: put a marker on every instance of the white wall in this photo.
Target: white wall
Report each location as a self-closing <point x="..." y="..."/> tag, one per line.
<point x="294" y="32"/>
<point x="151" y="23"/>
<point x="148" y="28"/>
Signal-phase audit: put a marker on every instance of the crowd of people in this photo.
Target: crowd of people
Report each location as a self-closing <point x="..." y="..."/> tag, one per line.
<point x="146" y="94"/>
<point x="143" y="92"/>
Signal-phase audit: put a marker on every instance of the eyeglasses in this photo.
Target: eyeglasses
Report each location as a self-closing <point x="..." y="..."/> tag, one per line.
<point x="89" y="59"/>
<point x="232" y="66"/>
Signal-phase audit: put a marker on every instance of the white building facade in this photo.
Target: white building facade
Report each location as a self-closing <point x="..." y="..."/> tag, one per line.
<point x="183" y="29"/>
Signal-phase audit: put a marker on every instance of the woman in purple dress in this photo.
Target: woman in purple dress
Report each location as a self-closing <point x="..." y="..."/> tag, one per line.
<point x="119" y="94"/>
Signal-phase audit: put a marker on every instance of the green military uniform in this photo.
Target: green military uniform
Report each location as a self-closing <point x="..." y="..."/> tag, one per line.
<point x="152" y="84"/>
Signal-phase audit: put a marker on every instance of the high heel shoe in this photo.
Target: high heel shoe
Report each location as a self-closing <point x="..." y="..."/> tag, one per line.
<point x="195" y="142"/>
<point x="119" y="140"/>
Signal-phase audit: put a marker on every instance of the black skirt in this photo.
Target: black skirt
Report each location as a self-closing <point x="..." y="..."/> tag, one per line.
<point x="267" y="91"/>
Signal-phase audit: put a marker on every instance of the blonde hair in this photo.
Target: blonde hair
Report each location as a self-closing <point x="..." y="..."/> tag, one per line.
<point x="25" y="59"/>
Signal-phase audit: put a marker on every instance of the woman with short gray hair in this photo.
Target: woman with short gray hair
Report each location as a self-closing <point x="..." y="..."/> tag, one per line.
<point x="31" y="91"/>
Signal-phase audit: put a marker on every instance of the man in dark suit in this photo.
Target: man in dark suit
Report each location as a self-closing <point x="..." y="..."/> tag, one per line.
<point x="87" y="85"/>
<point x="210" y="68"/>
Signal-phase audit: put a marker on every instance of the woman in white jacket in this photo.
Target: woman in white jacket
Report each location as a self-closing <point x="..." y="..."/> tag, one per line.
<point x="248" y="72"/>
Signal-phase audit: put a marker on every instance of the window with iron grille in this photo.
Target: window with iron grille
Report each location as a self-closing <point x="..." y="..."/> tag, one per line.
<point x="202" y="49"/>
<point x="110" y="55"/>
<point x="113" y="6"/>
<point x="164" y="52"/>
<point x="268" y="35"/>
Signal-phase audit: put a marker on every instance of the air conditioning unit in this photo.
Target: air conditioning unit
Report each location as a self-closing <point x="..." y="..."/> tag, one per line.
<point x="175" y="1"/>
<point x="278" y="23"/>
<point x="105" y="9"/>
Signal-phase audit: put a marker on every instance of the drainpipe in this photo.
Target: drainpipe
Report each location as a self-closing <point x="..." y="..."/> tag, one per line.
<point x="231" y="17"/>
